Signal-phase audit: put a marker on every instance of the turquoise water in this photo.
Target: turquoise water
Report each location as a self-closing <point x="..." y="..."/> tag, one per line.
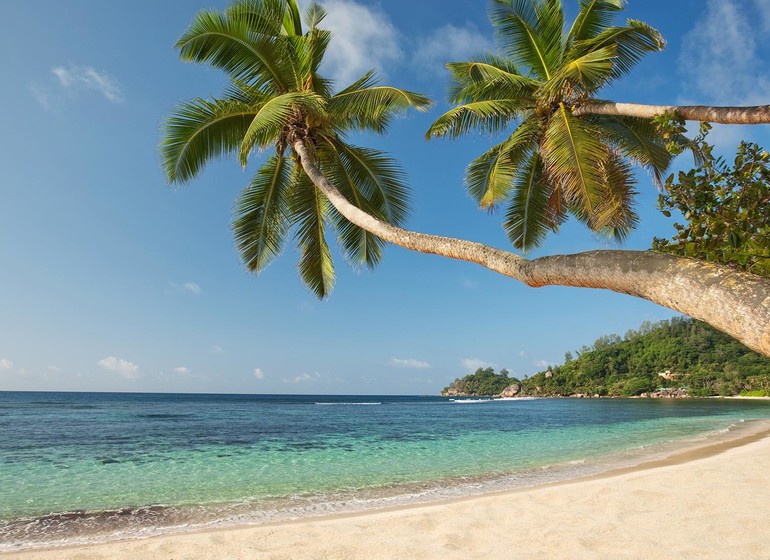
<point x="77" y="467"/>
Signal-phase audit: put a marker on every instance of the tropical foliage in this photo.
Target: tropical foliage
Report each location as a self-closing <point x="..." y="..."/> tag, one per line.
<point x="482" y="382"/>
<point x="555" y="164"/>
<point x="726" y="208"/>
<point x="698" y="357"/>
<point x="275" y="97"/>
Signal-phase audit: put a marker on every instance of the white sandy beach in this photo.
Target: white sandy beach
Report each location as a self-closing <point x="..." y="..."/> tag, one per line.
<point x="710" y="503"/>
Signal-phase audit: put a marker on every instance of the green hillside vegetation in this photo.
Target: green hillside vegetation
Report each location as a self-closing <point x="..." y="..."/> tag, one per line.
<point x="690" y="354"/>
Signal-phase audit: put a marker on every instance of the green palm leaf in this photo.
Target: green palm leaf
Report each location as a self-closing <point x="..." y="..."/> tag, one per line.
<point x="200" y="130"/>
<point x="593" y="18"/>
<point x="481" y="80"/>
<point x="490" y="116"/>
<point x="573" y="156"/>
<point x="261" y="217"/>
<point x="584" y="74"/>
<point x="490" y="176"/>
<point x="637" y="139"/>
<point x="615" y="216"/>
<point x="378" y="178"/>
<point x="267" y="125"/>
<point x="526" y="221"/>
<point x="632" y="42"/>
<point x="364" y="105"/>
<point x="517" y="26"/>
<point x="246" y="54"/>
<point x="310" y="210"/>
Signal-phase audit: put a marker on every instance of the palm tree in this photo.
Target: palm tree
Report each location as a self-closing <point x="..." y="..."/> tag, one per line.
<point x="554" y="163"/>
<point x="275" y="97"/>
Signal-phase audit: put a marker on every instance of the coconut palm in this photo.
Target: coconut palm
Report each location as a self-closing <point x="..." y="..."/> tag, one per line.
<point x="276" y="97"/>
<point x="553" y="163"/>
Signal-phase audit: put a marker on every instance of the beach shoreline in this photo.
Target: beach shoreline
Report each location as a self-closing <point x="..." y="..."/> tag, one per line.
<point x="711" y="476"/>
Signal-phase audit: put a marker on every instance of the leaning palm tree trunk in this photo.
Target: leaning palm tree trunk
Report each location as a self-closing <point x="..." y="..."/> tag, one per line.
<point x="733" y="302"/>
<point x="726" y="115"/>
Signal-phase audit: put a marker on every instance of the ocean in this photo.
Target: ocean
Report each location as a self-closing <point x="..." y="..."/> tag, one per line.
<point x="88" y="467"/>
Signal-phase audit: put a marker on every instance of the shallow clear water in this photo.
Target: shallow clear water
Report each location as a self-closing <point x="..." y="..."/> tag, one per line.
<point x="76" y="467"/>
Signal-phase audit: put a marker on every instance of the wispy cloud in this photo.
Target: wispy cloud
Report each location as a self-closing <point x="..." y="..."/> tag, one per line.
<point x="723" y="57"/>
<point x="259" y="374"/>
<point x="449" y="43"/>
<point x="472" y="364"/>
<point x="74" y="81"/>
<point x="122" y="367"/>
<point x="363" y="38"/>
<point x="542" y="363"/>
<point x="411" y="363"/>
<point x="5" y="364"/>
<point x="218" y="350"/>
<point x="303" y="378"/>
<point x="182" y="370"/>
<point x="186" y="287"/>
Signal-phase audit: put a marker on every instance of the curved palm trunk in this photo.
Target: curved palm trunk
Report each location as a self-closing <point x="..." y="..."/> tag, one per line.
<point x="733" y="302"/>
<point x="727" y="115"/>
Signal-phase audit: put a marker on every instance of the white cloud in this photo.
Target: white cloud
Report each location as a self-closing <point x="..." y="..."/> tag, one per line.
<point x="449" y="43"/>
<point x="363" y="38"/>
<point x="182" y="370"/>
<point x="722" y="55"/>
<point x="122" y="367"/>
<point x="85" y="78"/>
<point x="542" y="363"/>
<point x="5" y="364"/>
<point x="218" y="350"/>
<point x="186" y="287"/>
<point x="304" y="378"/>
<point x="54" y="369"/>
<point x="409" y="363"/>
<point x="259" y="374"/>
<point x="472" y="364"/>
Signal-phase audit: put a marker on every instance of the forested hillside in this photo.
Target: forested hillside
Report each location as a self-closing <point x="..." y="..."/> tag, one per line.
<point x="679" y="355"/>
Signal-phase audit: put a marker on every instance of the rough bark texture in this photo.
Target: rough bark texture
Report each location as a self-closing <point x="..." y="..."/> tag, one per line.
<point x="733" y="302"/>
<point x="727" y="115"/>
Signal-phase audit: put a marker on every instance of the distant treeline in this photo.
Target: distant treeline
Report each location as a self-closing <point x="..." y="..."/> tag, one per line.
<point x="678" y="354"/>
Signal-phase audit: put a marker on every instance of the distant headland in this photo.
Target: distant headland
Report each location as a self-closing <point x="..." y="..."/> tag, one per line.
<point x="670" y="359"/>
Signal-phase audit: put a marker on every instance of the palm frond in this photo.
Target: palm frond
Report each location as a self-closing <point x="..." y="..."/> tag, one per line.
<point x="593" y="18"/>
<point x="517" y="28"/>
<point x="292" y="22"/>
<point x="378" y="178"/>
<point x="573" y="154"/>
<point x="314" y="15"/>
<point x="550" y="29"/>
<point x="367" y="106"/>
<point x="632" y="42"/>
<point x="200" y="130"/>
<point x="615" y="216"/>
<point x="638" y="140"/>
<point x="479" y="80"/>
<point x="267" y="125"/>
<point x="490" y="116"/>
<point x="490" y="177"/>
<point x="230" y="43"/>
<point x="584" y="74"/>
<point x="261" y="16"/>
<point x="310" y="210"/>
<point x="261" y="215"/>
<point x="526" y="221"/>
<point x="360" y="247"/>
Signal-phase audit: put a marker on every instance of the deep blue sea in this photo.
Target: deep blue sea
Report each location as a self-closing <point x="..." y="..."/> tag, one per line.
<point x="81" y="467"/>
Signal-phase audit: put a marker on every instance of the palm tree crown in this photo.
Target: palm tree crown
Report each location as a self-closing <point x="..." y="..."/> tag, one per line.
<point x="554" y="163"/>
<point x="275" y="97"/>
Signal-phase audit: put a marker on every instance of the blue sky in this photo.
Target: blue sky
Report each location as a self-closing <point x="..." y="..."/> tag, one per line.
<point x="112" y="281"/>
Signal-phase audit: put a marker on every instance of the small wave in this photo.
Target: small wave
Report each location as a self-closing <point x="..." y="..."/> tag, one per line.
<point x="347" y="403"/>
<point x="469" y="401"/>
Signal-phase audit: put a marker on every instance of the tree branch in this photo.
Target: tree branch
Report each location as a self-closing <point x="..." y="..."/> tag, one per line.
<point x="759" y="114"/>
<point x="734" y="302"/>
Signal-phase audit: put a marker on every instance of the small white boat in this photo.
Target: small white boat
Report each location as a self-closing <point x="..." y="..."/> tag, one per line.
<point x="469" y="401"/>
